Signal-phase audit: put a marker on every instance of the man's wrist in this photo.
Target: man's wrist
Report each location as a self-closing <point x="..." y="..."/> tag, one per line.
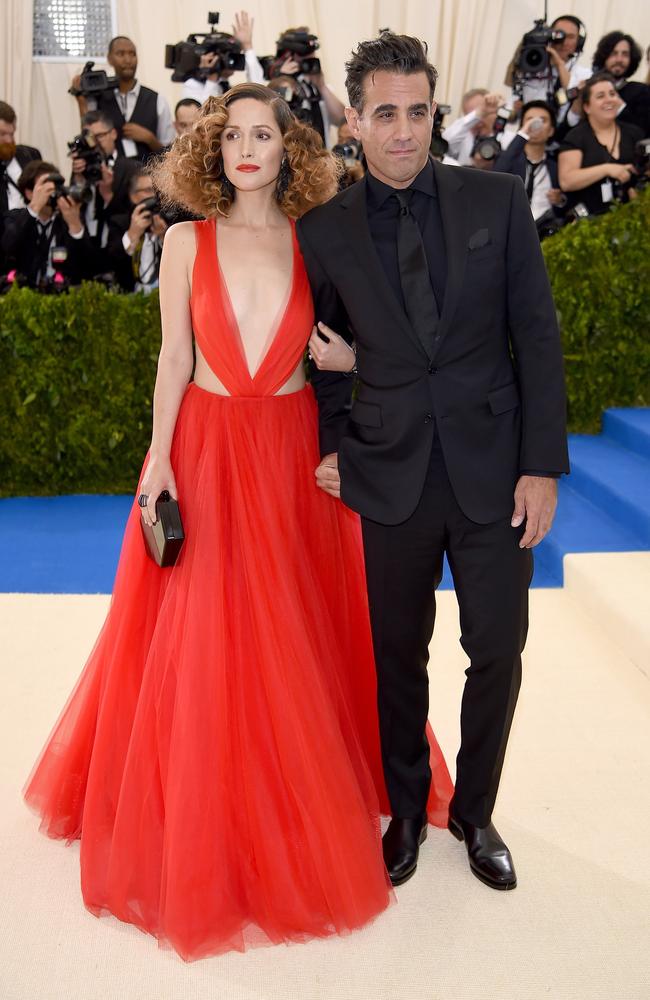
<point x="78" y="233"/>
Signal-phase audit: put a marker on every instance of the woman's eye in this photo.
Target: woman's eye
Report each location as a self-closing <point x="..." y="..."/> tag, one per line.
<point x="231" y="135"/>
<point x="263" y="135"/>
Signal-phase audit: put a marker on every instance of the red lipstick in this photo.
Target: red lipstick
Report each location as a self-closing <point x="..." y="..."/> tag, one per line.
<point x="247" y="168"/>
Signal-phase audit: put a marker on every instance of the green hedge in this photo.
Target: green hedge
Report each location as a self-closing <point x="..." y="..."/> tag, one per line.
<point x="600" y="275"/>
<point x="78" y="369"/>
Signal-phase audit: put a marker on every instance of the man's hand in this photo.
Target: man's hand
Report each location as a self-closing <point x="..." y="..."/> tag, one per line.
<point x="138" y="133"/>
<point x="535" y="503"/>
<point x="78" y="165"/>
<point x="71" y="212"/>
<point x="490" y="106"/>
<point x="141" y="219"/>
<point x="327" y="475"/>
<point x="41" y="194"/>
<point x="242" y="30"/>
<point x="556" y="196"/>
<point x="159" y="227"/>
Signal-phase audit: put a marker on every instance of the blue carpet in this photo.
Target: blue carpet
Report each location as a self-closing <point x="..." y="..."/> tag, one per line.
<point x="71" y="544"/>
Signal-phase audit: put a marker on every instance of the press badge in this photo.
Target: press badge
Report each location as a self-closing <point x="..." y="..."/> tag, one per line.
<point x="606" y="192"/>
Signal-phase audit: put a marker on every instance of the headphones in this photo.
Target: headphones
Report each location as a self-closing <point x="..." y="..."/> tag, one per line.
<point x="582" y="31"/>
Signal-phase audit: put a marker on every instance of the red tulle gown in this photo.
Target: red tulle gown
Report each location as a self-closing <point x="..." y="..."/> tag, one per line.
<point x="219" y="755"/>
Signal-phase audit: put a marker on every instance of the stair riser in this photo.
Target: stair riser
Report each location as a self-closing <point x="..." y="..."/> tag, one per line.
<point x="632" y="515"/>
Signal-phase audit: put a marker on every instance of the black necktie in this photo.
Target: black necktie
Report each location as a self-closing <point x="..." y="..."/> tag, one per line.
<point x="419" y="300"/>
<point x="4" y="192"/>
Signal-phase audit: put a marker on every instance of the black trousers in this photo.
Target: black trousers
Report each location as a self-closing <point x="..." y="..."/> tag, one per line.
<point x="491" y="577"/>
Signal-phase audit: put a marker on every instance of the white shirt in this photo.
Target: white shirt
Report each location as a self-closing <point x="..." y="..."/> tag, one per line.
<point x="461" y="138"/>
<point x="46" y="227"/>
<point x="90" y="219"/>
<point x="537" y="90"/>
<point x="14" y="197"/>
<point x="200" y="90"/>
<point x="165" y="131"/>
<point x="149" y="260"/>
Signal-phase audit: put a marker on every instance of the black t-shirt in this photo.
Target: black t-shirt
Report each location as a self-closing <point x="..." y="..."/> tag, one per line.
<point x="593" y="153"/>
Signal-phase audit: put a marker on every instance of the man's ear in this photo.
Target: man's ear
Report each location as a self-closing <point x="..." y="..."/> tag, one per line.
<point x="352" y="118"/>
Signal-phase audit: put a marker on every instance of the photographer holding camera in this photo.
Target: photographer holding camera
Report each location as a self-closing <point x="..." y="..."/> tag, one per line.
<point x="46" y="244"/>
<point x="528" y="156"/>
<point x="135" y="239"/>
<point x="619" y="55"/>
<point x="478" y="121"/>
<point x="216" y="83"/>
<point x="141" y="116"/>
<point x="596" y="158"/>
<point x="97" y="165"/>
<point x="545" y="66"/>
<point x="296" y="67"/>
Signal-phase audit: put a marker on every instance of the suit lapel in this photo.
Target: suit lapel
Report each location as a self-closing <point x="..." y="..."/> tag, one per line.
<point x="357" y="237"/>
<point x="454" y="211"/>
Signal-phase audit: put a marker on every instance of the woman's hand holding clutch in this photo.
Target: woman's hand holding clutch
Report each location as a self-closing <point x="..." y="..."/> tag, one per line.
<point x="330" y="352"/>
<point x="158" y="477"/>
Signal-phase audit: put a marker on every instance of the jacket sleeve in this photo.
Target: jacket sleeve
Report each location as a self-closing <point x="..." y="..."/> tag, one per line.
<point x="536" y="344"/>
<point x="506" y="162"/>
<point x="333" y="390"/>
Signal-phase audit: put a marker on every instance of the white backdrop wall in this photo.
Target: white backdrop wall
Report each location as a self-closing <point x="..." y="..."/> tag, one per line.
<point x="470" y="42"/>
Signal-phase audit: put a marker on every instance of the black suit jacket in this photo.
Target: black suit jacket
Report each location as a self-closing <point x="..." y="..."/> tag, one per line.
<point x="493" y="386"/>
<point x="513" y="161"/>
<point x="20" y="240"/>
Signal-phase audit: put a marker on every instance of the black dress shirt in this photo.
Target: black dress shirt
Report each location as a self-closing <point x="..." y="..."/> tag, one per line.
<point x="383" y="213"/>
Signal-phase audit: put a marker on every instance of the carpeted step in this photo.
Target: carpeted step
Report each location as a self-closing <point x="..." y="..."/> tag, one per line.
<point x="629" y="428"/>
<point x="580" y="526"/>
<point x="614" y="479"/>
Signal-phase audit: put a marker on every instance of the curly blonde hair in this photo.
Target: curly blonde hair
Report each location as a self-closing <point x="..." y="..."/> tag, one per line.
<point x="191" y="174"/>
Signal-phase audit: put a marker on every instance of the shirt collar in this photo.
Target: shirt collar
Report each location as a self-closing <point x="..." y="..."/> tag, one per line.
<point x="379" y="192"/>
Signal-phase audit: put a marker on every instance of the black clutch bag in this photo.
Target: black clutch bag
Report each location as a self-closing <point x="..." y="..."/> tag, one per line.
<point x="165" y="539"/>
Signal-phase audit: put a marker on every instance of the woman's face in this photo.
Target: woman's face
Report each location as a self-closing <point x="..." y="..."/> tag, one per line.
<point x="251" y="145"/>
<point x="603" y="102"/>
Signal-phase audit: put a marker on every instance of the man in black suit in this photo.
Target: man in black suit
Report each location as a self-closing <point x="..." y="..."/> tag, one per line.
<point x="619" y="55"/>
<point x="13" y="158"/>
<point x="531" y="156"/>
<point x="46" y="243"/>
<point x="456" y="435"/>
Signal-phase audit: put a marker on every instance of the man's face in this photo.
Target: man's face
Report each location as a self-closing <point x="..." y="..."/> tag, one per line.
<point x="143" y="189"/>
<point x="185" y="118"/>
<point x="618" y="61"/>
<point x="7" y="131"/>
<point x="568" y="46"/>
<point x="394" y="125"/>
<point x="124" y="60"/>
<point x="547" y="130"/>
<point x="106" y="137"/>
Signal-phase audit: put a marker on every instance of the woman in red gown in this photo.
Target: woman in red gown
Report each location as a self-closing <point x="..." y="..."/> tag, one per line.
<point x="219" y="756"/>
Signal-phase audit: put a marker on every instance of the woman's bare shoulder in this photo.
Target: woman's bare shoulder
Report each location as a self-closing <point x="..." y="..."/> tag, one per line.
<point x="181" y="237"/>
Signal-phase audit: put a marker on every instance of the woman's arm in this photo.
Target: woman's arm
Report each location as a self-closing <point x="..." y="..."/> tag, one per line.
<point x="573" y="176"/>
<point x="175" y="360"/>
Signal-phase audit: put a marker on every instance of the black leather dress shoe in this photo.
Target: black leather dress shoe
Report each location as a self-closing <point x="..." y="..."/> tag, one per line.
<point x="401" y="845"/>
<point x="489" y="858"/>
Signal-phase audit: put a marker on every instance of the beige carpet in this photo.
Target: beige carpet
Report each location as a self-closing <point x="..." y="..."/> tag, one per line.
<point x="574" y="808"/>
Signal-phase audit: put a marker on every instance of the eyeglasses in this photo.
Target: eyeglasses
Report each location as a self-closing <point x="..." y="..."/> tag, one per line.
<point x="100" y="135"/>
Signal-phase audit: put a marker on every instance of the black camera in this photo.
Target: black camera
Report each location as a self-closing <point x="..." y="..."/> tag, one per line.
<point x="151" y="204"/>
<point x="93" y="82"/>
<point x="486" y="146"/>
<point x="439" y="146"/>
<point x="184" y="58"/>
<point x="347" y="151"/>
<point x="84" y="147"/>
<point x="533" y="59"/>
<point x="297" y="45"/>
<point x="80" y="193"/>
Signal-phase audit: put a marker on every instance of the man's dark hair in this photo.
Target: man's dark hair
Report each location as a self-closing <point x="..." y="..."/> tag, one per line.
<point x="31" y="172"/>
<point x="7" y="113"/>
<point x="608" y="43"/>
<point x="93" y="117"/>
<point x="135" y="176"/>
<point x="186" y="102"/>
<point x="392" y="53"/>
<point x="119" y="38"/>
<point x="543" y="106"/>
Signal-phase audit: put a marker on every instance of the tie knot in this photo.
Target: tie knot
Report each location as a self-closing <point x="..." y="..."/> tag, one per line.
<point x="404" y="200"/>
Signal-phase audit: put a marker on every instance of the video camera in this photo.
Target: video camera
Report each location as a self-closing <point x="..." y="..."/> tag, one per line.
<point x="84" y="147"/>
<point x="184" y="58"/>
<point x="80" y="193"/>
<point x="533" y="60"/>
<point x="297" y="45"/>
<point x="93" y="82"/>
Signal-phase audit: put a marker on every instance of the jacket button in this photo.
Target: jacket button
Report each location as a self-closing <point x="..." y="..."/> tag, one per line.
<point x="432" y="369"/>
<point x="428" y="418"/>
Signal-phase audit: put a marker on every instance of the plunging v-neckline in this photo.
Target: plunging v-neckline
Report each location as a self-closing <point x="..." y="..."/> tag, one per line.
<point x="231" y="318"/>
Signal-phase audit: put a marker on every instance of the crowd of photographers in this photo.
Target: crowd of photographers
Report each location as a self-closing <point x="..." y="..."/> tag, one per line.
<point x="578" y="135"/>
